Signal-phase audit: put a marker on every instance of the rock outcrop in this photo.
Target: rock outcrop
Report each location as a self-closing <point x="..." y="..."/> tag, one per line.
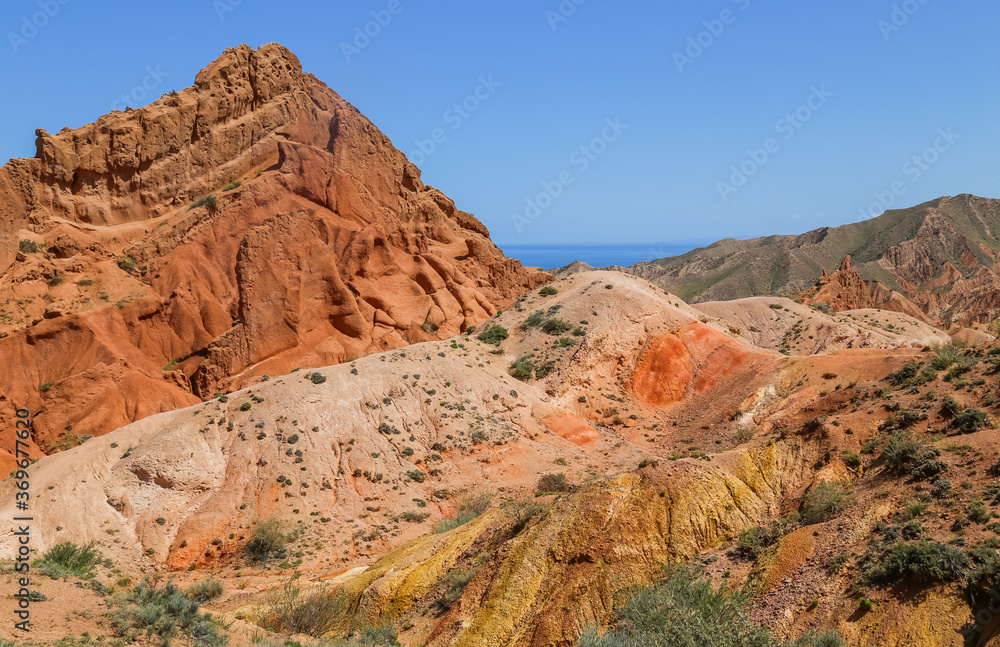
<point x="846" y="290"/>
<point x="245" y="226"/>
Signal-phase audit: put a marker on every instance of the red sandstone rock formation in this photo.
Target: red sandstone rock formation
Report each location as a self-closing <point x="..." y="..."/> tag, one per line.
<point x="330" y="248"/>
<point x="846" y="290"/>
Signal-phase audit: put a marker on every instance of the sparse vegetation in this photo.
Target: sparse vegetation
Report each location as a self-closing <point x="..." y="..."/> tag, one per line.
<point x="903" y="448"/>
<point x="970" y="421"/>
<point x="925" y="561"/>
<point x="683" y="609"/>
<point x="66" y="559"/>
<point x="204" y="590"/>
<point x="472" y="505"/>
<point x="28" y="246"/>
<point x="553" y="483"/>
<point x="556" y="326"/>
<point x="824" y="501"/>
<point x="493" y="335"/>
<point x="232" y="186"/>
<point x="523" y="368"/>
<point x="210" y="202"/>
<point x="165" y="613"/>
<point x="754" y="541"/>
<point x="548" y="291"/>
<point x="292" y="609"/>
<point x="268" y="539"/>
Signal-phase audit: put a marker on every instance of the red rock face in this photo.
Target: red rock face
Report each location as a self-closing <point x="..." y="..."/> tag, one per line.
<point x="846" y="290"/>
<point x="330" y="248"/>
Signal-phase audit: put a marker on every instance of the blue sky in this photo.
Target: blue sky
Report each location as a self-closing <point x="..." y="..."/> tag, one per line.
<point x="598" y="121"/>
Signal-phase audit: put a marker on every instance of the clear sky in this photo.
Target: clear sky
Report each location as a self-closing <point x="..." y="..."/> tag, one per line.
<point x="619" y="121"/>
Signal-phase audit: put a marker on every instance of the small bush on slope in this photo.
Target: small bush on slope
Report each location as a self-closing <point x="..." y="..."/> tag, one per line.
<point x="823" y="501"/>
<point x="683" y="610"/>
<point x="472" y="506"/>
<point x="754" y="541"/>
<point x="494" y="335"/>
<point x="926" y="561"/>
<point x="66" y="558"/>
<point x="293" y="609"/>
<point x="165" y="613"/>
<point x="204" y="590"/>
<point x="268" y="539"/>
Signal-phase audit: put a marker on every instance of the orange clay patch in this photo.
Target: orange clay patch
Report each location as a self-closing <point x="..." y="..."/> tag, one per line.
<point x="715" y="355"/>
<point x="795" y="548"/>
<point x="571" y="428"/>
<point x="663" y="373"/>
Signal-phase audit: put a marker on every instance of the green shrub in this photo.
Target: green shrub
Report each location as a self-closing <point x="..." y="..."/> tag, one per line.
<point x="913" y="374"/>
<point x="28" y="246"/>
<point x="470" y="507"/>
<point x="414" y="517"/>
<point x="54" y="279"/>
<point x="970" y="421"/>
<point x="926" y="561"/>
<point x="534" y="320"/>
<point x="548" y="291"/>
<point x="823" y="501"/>
<point x="204" y="590"/>
<point x="944" y="356"/>
<point x="553" y="483"/>
<point x="166" y="613"/>
<point x="683" y="609"/>
<point x="454" y="584"/>
<point x="753" y="542"/>
<point x="317" y="378"/>
<point x="128" y="264"/>
<point x="978" y="513"/>
<point x="493" y="335"/>
<point x="291" y="609"/>
<point x="232" y="186"/>
<point x="950" y="408"/>
<point x="556" y="326"/>
<point x="903" y="448"/>
<point x="209" y="202"/>
<point x="523" y="368"/>
<point x="268" y="539"/>
<point x="67" y="559"/>
<point x="852" y="459"/>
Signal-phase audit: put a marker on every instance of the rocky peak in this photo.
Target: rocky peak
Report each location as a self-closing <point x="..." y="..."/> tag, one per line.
<point x="317" y="241"/>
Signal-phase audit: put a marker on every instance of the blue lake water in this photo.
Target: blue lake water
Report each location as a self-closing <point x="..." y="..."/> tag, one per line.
<point x="553" y="256"/>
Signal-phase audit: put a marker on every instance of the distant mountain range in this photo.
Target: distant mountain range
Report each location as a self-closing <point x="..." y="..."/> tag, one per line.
<point x="943" y="256"/>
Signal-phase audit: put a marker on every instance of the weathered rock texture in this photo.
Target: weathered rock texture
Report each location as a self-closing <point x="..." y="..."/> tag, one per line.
<point x="330" y="248"/>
